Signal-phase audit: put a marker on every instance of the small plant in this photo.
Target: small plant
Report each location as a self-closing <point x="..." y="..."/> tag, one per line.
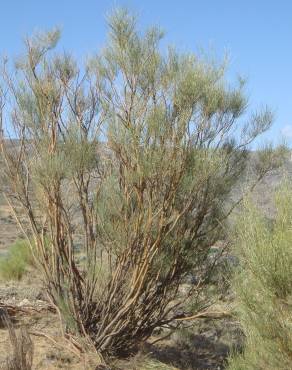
<point x="14" y="265"/>
<point x="264" y="287"/>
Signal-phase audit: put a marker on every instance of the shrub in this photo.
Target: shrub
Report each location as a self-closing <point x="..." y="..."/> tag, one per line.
<point x="14" y="265"/>
<point x="137" y="158"/>
<point x="264" y="286"/>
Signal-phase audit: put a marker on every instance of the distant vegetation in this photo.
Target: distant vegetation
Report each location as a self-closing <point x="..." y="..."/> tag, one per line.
<point x="18" y="260"/>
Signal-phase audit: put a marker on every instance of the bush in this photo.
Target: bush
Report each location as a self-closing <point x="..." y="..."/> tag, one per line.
<point x="264" y="287"/>
<point x="14" y="265"/>
<point x="136" y="159"/>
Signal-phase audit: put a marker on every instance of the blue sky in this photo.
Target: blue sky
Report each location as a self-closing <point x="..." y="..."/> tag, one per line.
<point x="256" y="34"/>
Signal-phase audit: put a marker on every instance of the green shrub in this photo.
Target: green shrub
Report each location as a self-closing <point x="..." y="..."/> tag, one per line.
<point x="93" y="156"/>
<point x="264" y="287"/>
<point x="14" y="265"/>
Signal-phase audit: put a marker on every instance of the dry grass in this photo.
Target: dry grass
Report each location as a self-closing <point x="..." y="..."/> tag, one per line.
<point x="144" y="362"/>
<point x="21" y="356"/>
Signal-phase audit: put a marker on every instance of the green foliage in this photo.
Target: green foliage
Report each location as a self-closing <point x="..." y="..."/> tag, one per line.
<point x="264" y="287"/>
<point x="66" y="313"/>
<point x="15" y="264"/>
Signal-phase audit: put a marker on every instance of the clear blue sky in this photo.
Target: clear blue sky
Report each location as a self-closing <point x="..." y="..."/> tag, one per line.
<point x="257" y="34"/>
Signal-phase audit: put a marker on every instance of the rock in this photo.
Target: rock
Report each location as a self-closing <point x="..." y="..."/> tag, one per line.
<point x="184" y="288"/>
<point x="25" y="302"/>
<point x="192" y="279"/>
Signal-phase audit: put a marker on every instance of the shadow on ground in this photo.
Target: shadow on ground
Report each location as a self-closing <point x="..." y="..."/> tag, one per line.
<point x="202" y="353"/>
